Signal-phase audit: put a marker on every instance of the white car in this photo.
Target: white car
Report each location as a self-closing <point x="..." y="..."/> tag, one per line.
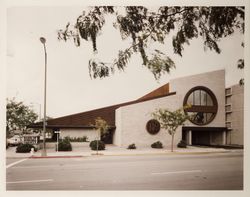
<point x="15" y="140"/>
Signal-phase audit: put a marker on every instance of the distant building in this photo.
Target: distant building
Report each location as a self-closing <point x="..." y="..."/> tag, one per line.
<point x="217" y="112"/>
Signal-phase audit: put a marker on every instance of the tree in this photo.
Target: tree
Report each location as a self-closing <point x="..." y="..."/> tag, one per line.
<point x="241" y="65"/>
<point x="171" y="120"/>
<point x="146" y="25"/>
<point x="102" y="127"/>
<point x="18" y="116"/>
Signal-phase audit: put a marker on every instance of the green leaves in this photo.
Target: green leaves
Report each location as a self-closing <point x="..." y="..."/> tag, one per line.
<point x="101" y="125"/>
<point x="160" y="64"/>
<point x="170" y="120"/>
<point x="98" y="69"/>
<point x="18" y="116"/>
<point x="123" y="59"/>
<point x="241" y="65"/>
<point x="144" y="26"/>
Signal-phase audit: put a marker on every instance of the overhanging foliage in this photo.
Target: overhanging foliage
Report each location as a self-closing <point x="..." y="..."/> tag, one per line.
<point x="144" y="25"/>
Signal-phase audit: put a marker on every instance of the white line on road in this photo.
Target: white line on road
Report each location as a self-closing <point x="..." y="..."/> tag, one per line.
<point x="50" y="166"/>
<point x="37" y="166"/>
<point x="32" y="181"/>
<point x="12" y="164"/>
<point x="175" y="172"/>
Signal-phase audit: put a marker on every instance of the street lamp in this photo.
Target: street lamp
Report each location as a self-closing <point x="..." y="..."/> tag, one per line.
<point x="44" y="154"/>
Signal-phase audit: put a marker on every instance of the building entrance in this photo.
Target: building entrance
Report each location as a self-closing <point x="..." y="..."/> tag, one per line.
<point x="201" y="138"/>
<point x="204" y="135"/>
<point x="107" y="138"/>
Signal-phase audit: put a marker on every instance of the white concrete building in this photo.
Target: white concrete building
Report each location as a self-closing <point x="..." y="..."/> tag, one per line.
<point x="132" y="122"/>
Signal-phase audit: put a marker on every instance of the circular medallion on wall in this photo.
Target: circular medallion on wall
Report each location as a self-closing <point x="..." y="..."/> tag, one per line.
<point x="204" y="105"/>
<point x="153" y="126"/>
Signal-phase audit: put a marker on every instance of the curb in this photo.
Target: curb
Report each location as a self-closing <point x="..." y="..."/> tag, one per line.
<point x="125" y="154"/>
<point x="53" y="157"/>
<point x="168" y="153"/>
<point x="18" y="157"/>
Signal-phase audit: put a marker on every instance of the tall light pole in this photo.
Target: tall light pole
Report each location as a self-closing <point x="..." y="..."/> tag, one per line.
<point x="44" y="153"/>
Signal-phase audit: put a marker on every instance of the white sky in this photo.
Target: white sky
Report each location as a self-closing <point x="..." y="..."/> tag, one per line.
<point x="70" y="89"/>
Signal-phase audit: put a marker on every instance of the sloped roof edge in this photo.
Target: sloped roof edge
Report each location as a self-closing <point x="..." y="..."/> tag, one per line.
<point x="85" y="119"/>
<point x="161" y="91"/>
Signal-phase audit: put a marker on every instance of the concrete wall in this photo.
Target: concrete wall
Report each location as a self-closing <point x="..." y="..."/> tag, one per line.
<point x="215" y="81"/>
<point x="90" y="133"/>
<point x="236" y="117"/>
<point x="131" y="120"/>
<point x="117" y="136"/>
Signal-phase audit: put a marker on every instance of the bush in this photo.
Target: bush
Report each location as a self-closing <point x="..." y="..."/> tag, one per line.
<point x="79" y="139"/>
<point x="24" y="148"/>
<point x="67" y="138"/>
<point x="182" y="144"/>
<point x="93" y="145"/>
<point x="157" y="144"/>
<point x="64" y="145"/>
<point x="131" y="146"/>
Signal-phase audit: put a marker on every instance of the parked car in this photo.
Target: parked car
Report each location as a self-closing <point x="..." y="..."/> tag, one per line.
<point x="14" y="141"/>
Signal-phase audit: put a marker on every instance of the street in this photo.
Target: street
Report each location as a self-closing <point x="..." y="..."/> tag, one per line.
<point x="216" y="171"/>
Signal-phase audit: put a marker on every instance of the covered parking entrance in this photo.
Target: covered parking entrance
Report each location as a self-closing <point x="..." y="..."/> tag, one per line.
<point x="204" y="135"/>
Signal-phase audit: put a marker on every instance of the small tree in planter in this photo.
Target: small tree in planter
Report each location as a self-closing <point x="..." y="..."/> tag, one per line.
<point x="171" y="120"/>
<point x="102" y="127"/>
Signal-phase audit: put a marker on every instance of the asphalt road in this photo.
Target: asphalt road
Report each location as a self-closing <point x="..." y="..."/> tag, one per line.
<point x="220" y="171"/>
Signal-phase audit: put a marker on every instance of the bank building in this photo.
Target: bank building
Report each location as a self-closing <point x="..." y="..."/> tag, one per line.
<point x="217" y="115"/>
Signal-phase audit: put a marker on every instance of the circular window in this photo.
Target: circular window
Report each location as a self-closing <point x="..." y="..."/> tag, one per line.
<point x="203" y="103"/>
<point x="153" y="126"/>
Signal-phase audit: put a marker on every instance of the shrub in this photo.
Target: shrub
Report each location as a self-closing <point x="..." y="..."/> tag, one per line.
<point x="93" y="145"/>
<point x="131" y="146"/>
<point x="67" y="138"/>
<point x="24" y="148"/>
<point x="79" y="139"/>
<point x="64" y="145"/>
<point x="182" y="144"/>
<point x="157" y="144"/>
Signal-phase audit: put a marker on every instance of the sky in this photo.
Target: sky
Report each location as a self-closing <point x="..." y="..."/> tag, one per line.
<point x="70" y="89"/>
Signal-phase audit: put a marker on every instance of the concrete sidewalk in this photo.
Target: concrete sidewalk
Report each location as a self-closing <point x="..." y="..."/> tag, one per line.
<point x="112" y="150"/>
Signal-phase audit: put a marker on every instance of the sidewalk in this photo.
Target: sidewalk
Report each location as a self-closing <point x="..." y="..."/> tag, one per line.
<point x="112" y="150"/>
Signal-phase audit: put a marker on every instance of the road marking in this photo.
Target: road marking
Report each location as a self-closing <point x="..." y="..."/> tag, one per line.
<point x="32" y="181"/>
<point x="36" y="166"/>
<point x="175" y="172"/>
<point x="12" y="164"/>
<point x="50" y="166"/>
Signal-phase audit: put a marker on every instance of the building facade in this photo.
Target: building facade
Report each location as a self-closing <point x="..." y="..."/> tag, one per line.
<point x="132" y="122"/>
<point x="235" y="114"/>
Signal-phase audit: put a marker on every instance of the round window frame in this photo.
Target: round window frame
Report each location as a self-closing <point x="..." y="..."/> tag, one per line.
<point x="214" y="100"/>
<point x="158" y="128"/>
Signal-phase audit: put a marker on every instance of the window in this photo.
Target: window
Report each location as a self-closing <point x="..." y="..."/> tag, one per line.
<point x="228" y="108"/>
<point x="153" y="126"/>
<point x="228" y="91"/>
<point x="203" y="103"/>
